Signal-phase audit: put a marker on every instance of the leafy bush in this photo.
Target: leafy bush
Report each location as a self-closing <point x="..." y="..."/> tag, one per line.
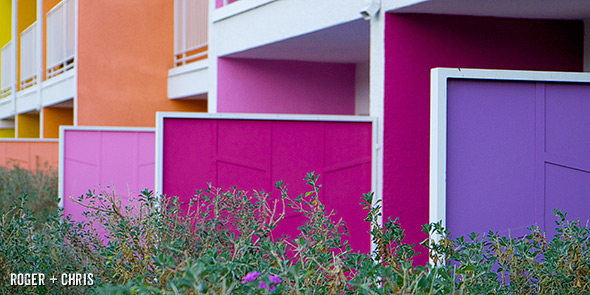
<point x="222" y="242"/>
<point x="40" y="186"/>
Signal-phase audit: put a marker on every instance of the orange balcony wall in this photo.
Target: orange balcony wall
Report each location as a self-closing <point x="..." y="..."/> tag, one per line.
<point x="125" y="50"/>
<point x="53" y="117"/>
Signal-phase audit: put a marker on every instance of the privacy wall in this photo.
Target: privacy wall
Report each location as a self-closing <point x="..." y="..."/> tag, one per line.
<point x="414" y="44"/>
<point x="108" y="159"/>
<point x="254" y="153"/>
<point x="516" y="151"/>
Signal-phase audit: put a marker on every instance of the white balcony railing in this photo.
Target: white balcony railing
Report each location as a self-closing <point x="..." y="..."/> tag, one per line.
<point x="60" y="38"/>
<point x="190" y="29"/>
<point x="6" y="59"/>
<point x="28" y="57"/>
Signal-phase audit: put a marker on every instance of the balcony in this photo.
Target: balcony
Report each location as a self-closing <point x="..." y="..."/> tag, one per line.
<point x="7" y="61"/>
<point x="28" y="57"/>
<point x="34" y="84"/>
<point x="60" y="38"/>
<point x="188" y="78"/>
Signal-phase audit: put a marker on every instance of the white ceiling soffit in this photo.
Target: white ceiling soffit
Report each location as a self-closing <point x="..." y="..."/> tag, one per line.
<point x="545" y="9"/>
<point x="344" y="43"/>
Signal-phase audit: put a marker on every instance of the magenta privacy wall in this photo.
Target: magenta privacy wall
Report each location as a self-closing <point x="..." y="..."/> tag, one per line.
<point x="253" y="152"/>
<point x="288" y="87"/>
<point x="96" y="157"/>
<point x="414" y="44"/>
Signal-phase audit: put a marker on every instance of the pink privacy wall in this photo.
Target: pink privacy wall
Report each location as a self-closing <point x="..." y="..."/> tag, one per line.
<point x="416" y="43"/>
<point x="95" y="159"/>
<point x="280" y="86"/>
<point x="255" y="154"/>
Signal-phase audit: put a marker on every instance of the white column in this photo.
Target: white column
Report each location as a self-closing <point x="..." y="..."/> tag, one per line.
<point x="212" y="57"/>
<point x="39" y="57"/>
<point x="376" y="103"/>
<point x="75" y="99"/>
<point x="15" y="42"/>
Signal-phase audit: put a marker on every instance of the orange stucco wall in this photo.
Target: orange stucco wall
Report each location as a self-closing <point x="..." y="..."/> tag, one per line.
<point x="29" y="155"/>
<point x="125" y="49"/>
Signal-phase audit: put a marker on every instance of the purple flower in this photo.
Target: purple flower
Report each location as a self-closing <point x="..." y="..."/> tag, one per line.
<point x="274" y="279"/>
<point x="272" y="288"/>
<point x="250" y="277"/>
<point x="262" y="285"/>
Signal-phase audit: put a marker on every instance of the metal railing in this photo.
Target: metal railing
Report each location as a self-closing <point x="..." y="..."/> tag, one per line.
<point x="7" y="61"/>
<point x="28" y="57"/>
<point x="190" y="30"/>
<point x="60" y="38"/>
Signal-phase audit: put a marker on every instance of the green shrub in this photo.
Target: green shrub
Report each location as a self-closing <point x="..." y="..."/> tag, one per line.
<point x="222" y="243"/>
<point x="40" y="186"/>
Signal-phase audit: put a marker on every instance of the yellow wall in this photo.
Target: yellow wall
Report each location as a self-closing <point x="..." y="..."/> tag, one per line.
<point x="27" y="14"/>
<point x="5" y="23"/>
<point x="53" y="118"/>
<point x="6" y="133"/>
<point x="28" y="125"/>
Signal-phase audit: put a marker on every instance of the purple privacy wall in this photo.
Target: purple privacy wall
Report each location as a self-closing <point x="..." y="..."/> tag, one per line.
<point x="515" y="152"/>
<point x="416" y="43"/>
<point x="255" y="154"/>
<point x="289" y="87"/>
<point x="93" y="158"/>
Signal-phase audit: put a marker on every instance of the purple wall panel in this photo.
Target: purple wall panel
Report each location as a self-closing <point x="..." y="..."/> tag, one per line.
<point x="254" y="154"/>
<point x="289" y="87"/>
<point x="414" y="44"/>
<point x="490" y="156"/>
<point x="95" y="159"/>
<point x="515" y="152"/>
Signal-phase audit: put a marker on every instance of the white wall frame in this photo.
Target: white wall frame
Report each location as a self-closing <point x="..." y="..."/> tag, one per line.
<point x="63" y="129"/>
<point x="438" y="119"/>
<point x="161" y="116"/>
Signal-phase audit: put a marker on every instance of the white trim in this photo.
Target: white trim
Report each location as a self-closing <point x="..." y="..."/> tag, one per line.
<point x="192" y="67"/>
<point x="376" y="103"/>
<point x="107" y="128"/>
<point x="236" y="8"/>
<point x="159" y="153"/>
<point x="28" y="140"/>
<point x="60" y="159"/>
<point x="76" y="32"/>
<point x="63" y="129"/>
<point x="40" y="68"/>
<point x="438" y="119"/>
<point x="277" y="117"/>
